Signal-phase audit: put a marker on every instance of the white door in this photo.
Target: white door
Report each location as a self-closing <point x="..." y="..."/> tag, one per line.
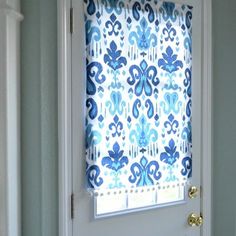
<point x="108" y="216"/>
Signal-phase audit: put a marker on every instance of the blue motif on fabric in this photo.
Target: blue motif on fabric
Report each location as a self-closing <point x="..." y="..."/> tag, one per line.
<point x="172" y="124"/>
<point x="189" y="17"/>
<point x="169" y="12"/>
<point x="91" y="8"/>
<point x="169" y="32"/>
<point x="171" y="84"/>
<point x="137" y="9"/>
<point x="93" y="137"/>
<point x="143" y="77"/>
<point x="113" y="6"/>
<point x="189" y="108"/>
<point x="116" y="126"/>
<point x="144" y="173"/>
<point x="171" y="103"/>
<point x="117" y="180"/>
<point x="187" y="133"/>
<point x="92" y="108"/>
<point x="116" y="104"/>
<point x="188" y="91"/>
<point x="143" y="37"/>
<point x="169" y="62"/>
<point x="136" y="107"/>
<point x="171" y="177"/>
<point x="114" y="25"/>
<point x="92" y="32"/>
<point x="187" y="82"/>
<point x="113" y="57"/>
<point x="94" y="74"/>
<point x="187" y="167"/>
<point x="151" y="15"/>
<point x="93" y="176"/>
<point x="170" y="155"/>
<point x="143" y="133"/>
<point x="150" y="107"/>
<point x="115" y="160"/>
<point x="188" y="44"/>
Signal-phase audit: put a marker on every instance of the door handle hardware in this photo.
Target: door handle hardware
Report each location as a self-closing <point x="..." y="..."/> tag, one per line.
<point x="193" y="192"/>
<point x="195" y="220"/>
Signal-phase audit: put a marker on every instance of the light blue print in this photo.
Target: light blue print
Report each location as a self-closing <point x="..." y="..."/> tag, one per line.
<point x="143" y="37"/>
<point x="116" y="180"/>
<point x="116" y="104"/>
<point x="171" y="103"/>
<point x="171" y="177"/>
<point x="171" y="84"/>
<point x="93" y="137"/>
<point x="143" y="134"/>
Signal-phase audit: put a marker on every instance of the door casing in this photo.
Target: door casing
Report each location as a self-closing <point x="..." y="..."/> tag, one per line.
<point x="10" y="204"/>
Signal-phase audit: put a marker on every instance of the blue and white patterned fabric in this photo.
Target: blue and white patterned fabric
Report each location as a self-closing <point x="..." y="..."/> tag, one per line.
<point x="138" y="123"/>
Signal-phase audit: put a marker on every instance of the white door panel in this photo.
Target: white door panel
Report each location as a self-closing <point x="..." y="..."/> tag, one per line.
<point x="161" y="221"/>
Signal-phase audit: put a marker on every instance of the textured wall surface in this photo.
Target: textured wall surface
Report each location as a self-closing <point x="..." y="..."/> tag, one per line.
<point x="224" y="87"/>
<point x="39" y="118"/>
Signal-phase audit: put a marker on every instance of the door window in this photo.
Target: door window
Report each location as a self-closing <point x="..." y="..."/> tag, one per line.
<point x="139" y="115"/>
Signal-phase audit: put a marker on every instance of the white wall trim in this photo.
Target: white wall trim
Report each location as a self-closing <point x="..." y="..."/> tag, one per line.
<point x="10" y="11"/>
<point x="206" y="206"/>
<point x="64" y="122"/>
<point x="65" y="158"/>
<point x="9" y="122"/>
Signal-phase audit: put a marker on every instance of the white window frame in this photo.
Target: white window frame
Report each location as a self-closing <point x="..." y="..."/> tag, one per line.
<point x="64" y="104"/>
<point x="10" y="17"/>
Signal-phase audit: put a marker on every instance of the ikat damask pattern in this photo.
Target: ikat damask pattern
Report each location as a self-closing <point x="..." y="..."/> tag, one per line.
<point x="138" y="124"/>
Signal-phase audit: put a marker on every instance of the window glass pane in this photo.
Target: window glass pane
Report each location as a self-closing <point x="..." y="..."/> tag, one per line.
<point x="138" y="123"/>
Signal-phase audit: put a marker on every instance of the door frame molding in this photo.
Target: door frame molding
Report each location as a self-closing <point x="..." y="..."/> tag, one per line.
<point x="10" y="199"/>
<point x="207" y="111"/>
<point x="64" y="118"/>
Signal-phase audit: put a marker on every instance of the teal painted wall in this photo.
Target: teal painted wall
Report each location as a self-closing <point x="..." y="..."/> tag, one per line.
<point x="224" y="159"/>
<point x="39" y="118"/>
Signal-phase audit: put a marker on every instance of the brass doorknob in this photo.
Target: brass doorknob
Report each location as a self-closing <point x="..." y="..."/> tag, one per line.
<point x="195" y="220"/>
<point x="192" y="192"/>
